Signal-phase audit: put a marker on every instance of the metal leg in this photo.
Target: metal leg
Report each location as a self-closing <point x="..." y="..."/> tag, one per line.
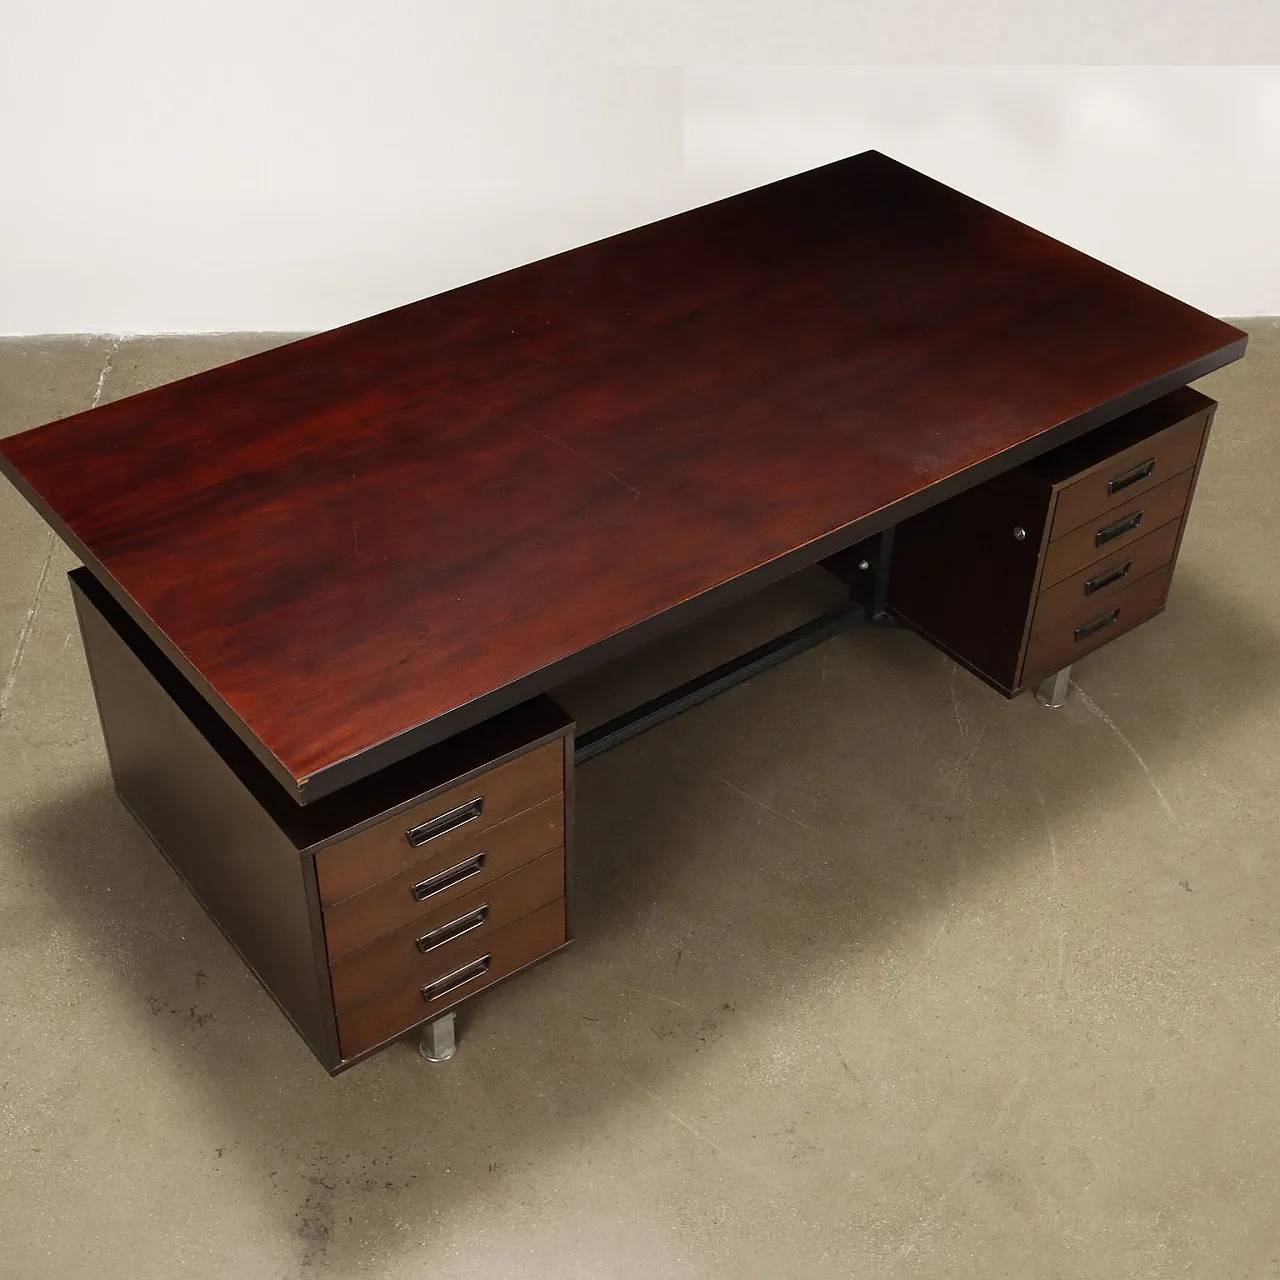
<point x="1052" y="690"/>
<point x="880" y="583"/>
<point x="438" y="1043"/>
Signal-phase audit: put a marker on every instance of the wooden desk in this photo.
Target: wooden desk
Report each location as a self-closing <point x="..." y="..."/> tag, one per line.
<point x="339" y="576"/>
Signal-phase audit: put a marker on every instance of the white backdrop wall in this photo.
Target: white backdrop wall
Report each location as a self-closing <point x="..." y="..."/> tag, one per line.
<point x="288" y="165"/>
<point x="1169" y="173"/>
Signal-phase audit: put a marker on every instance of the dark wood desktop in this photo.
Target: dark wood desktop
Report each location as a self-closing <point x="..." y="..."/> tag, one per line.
<point x="330" y="591"/>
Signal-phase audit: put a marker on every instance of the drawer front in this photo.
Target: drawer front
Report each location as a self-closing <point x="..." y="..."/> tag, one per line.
<point x="1107" y="577"/>
<point x="448" y="875"/>
<point x="1115" y="529"/>
<point x="1132" y="473"/>
<point x="400" y="1008"/>
<point x="441" y="940"/>
<point x="446" y="824"/>
<point x="1067" y="641"/>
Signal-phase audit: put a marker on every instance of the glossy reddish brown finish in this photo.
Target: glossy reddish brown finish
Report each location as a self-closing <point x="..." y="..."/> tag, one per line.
<point x="401" y="526"/>
<point x="963" y="577"/>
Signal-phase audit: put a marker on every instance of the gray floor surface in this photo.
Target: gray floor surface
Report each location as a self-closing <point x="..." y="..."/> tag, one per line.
<point x="877" y="975"/>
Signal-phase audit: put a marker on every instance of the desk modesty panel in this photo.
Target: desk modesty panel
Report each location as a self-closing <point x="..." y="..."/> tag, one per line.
<point x="362" y="543"/>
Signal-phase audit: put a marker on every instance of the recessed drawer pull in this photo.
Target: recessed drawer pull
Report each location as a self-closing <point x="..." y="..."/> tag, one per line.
<point x="1135" y="476"/>
<point x="459" y="977"/>
<point x="447" y="879"/>
<point x="1118" y="529"/>
<point x="1114" y="574"/>
<point x="1087" y="629"/>
<point x="434" y="827"/>
<point x="454" y="929"/>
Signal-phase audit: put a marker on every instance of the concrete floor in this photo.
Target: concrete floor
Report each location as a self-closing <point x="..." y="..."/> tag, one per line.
<point x="878" y="974"/>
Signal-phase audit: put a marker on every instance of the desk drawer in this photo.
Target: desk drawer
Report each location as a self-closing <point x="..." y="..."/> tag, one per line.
<point x="471" y="969"/>
<point x="1115" y="529"/>
<point x="1098" y="582"/>
<point x="1131" y="473"/>
<point x="1097" y="624"/>
<point x="433" y="942"/>
<point x="993" y="575"/>
<point x="445" y="826"/>
<point x="450" y="874"/>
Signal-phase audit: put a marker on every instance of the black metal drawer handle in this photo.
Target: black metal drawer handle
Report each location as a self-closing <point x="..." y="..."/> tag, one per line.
<point x="459" y="977"/>
<point x="434" y="827"/>
<point x="1110" y="532"/>
<point x="1135" y="476"/>
<point x="1087" y="629"/>
<point x="447" y="879"/>
<point x="454" y="929"/>
<point x="1115" y="574"/>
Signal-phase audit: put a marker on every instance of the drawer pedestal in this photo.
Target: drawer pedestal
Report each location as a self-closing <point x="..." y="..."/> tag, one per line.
<point x="1021" y="576"/>
<point x="370" y="911"/>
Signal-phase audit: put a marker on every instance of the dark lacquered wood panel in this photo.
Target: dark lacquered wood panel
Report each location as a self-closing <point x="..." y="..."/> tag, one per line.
<point x="982" y="576"/>
<point x="962" y="576"/>
<point x="236" y="861"/>
<point x="362" y="542"/>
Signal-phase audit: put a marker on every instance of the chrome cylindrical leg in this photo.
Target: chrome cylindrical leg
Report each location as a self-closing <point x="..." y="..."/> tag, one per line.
<point x="438" y="1043"/>
<point x="1052" y="690"/>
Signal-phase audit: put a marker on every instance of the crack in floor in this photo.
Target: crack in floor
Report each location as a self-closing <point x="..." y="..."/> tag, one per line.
<point x="28" y="622"/>
<point x="28" y="625"/>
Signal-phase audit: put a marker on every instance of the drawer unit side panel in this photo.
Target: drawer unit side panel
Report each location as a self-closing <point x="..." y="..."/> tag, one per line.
<point x="209" y="827"/>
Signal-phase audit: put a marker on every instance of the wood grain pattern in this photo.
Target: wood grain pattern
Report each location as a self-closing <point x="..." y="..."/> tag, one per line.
<point x="1111" y="575"/>
<point x="401" y="1008"/>
<point x="390" y="903"/>
<point x="1075" y="550"/>
<point x="1059" y="646"/>
<point x="1166" y="454"/>
<point x="395" y="958"/>
<point x="207" y="815"/>
<point x="363" y="542"/>
<point x="963" y="579"/>
<point x="381" y="852"/>
<point x="331" y="819"/>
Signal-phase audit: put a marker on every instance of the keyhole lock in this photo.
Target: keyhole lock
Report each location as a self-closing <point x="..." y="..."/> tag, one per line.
<point x="1019" y="533"/>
